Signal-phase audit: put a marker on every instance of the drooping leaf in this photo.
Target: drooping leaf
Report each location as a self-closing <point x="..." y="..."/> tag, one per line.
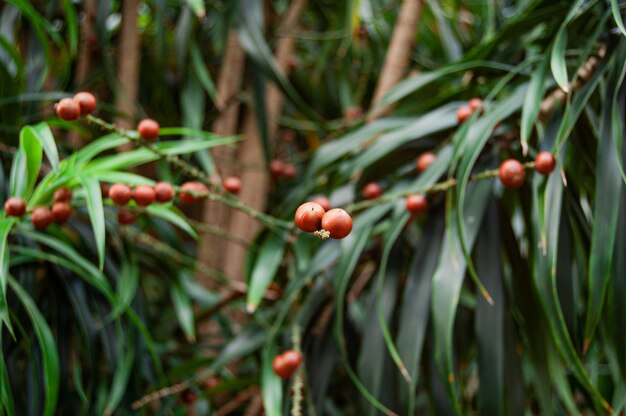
<point x="268" y="260"/>
<point x="93" y="196"/>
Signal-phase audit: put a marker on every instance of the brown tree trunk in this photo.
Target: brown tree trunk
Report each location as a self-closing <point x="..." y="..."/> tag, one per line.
<point x="128" y="71"/>
<point x="398" y="54"/>
<point x="211" y="251"/>
<point x="254" y="175"/>
<point x="88" y="38"/>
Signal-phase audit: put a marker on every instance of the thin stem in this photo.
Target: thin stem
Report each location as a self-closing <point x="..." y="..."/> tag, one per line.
<point x="298" y="383"/>
<point x="438" y="187"/>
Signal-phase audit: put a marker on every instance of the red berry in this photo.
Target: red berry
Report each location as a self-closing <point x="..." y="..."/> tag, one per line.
<point x="288" y="135"/>
<point x="285" y="364"/>
<point x="120" y="194"/>
<point x="125" y="217"/>
<point x="144" y="195"/>
<point x="41" y="218"/>
<point x="309" y="217"/>
<point x="62" y="195"/>
<point x="211" y="383"/>
<point x="293" y="62"/>
<point x="545" y="163"/>
<point x="188" y="188"/>
<point x="475" y="103"/>
<point x="463" y="113"/>
<point x="424" y="161"/>
<point x="188" y="396"/>
<point x="323" y="201"/>
<point x="290" y="171"/>
<point x="416" y="204"/>
<point x="164" y="192"/>
<point x="86" y="102"/>
<point x="67" y="109"/>
<point x="372" y="190"/>
<point x="277" y="168"/>
<point x="148" y="129"/>
<point x="232" y="184"/>
<point x="512" y="174"/>
<point x="14" y="207"/>
<point x="61" y="212"/>
<point x="337" y="222"/>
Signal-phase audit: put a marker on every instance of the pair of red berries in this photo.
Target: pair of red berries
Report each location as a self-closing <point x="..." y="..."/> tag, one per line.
<point x="466" y="111"/>
<point x="280" y="170"/>
<point x="512" y="173"/>
<point x="311" y="217"/>
<point x="415" y="204"/>
<point x="69" y="109"/>
<point x="285" y="364"/>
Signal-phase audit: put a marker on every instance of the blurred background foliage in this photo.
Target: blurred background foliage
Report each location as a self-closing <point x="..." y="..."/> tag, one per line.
<point x="394" y="319"/>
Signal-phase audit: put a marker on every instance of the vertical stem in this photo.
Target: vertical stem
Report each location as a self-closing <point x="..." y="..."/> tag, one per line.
<point x="298" y="383"/>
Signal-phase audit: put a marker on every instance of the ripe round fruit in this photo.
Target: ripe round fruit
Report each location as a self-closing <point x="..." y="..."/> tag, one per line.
<point x="188" y="396"/>
<point x="323" y="201"/>
<point x="337" y="222"/>
<point x="144" y="195"/>
<point x="285" y="364"/>
<point x="232" y="184"/>
<point x="148" y="129"/>
<point x="512" y="174"/>
<point x="86" y="102"/>
<point x="120" y="194"/>
<point x="125" y="217"/>
<point x="67" y="109"/>
<point x="463" y="113"/>
<point x="309" y="217"/>
<point x="164" y="192"/>
<point x="424" y="161"/>
<point x="277" y="168"/>
<point x="194" y="186"/>
<point x="353" y="113"/>
<point x="41" y="218"/>
<point x="372" y="191"/>
<point x="545" y="163"/>
<point x="290" y="171"/>
<point x="475" y="103"/>
<point x="61" y="212"/>
<point x="416" y="204"/>
<point x="62" y="195"/>
<point x="14" y="207"/>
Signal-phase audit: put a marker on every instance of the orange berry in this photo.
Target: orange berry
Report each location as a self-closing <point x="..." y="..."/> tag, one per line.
<point x="61" y="212"/>
<point x="144" y="195"/>
<point x="475" y="103"/>
<point x="463" y="113"/>
<point x="164" y="192"/>
<point x="285" y="364"/>
<point x="67" y="109"/>
<point x="125" y="217"/>
<point x="309" y="216"/>
<point x="232" y="184"/>
<point x="323" y="201"/>
<point x="512" y="174"/>
<point x="62" y="195"/>
<point x="545" y="163"/>
<point x="148" y="129"/>
<point x="372" y="190"/>
<point x="277" y="168"/>
<point x="424" y="161"/>
<point x="14" y="207"/>
<point x="41" y="218"/>
<point x="186" y="190"/>
<point x="337" y="222"/>
<point x="86" y="102"/>
<point x="416" y="204"/>
<point x="120" y="194"/>
<point x="290" y="171"/>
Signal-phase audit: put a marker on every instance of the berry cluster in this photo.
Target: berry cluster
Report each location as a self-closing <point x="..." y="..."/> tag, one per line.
<point x="311" y="217"/>
<point x="285" y="364"/>
<point x="41" y="217"/>
<point x="280" y="170"/>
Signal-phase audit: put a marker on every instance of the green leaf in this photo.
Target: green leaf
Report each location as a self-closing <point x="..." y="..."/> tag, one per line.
<point x="119" y="384"/>
<point x="26" y="163"/>
<point x="128" y="281"/>
<point x="617" y="16"/>
<point x="172" y="215"/>
<point x="104" y="143"/>
<point x="6" y="224"/>
<point x="557" y="59"/>
<point x="6" y="396"/>
<point x="131" y="179"/>
<point x="197" y="6"/>
<point x="46" y="139"/>
<point x="202" y="73"/>
<point x="267" y="262"/>
<point x="49" y="354"/>
<point x="93" y="197"/>
<point x="184" y="311"/>
<point x="489" y="320"/>
<point x="242" y="345"/>
<point x="414" y="313"/>
<point x="72" y="25"/>
<point x="448" y="279"/>
<point x="271" y="384"/>
<point x="532" y="102"/>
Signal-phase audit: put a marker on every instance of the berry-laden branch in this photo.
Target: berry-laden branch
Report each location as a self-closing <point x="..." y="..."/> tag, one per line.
<point x="196" y="173"/>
